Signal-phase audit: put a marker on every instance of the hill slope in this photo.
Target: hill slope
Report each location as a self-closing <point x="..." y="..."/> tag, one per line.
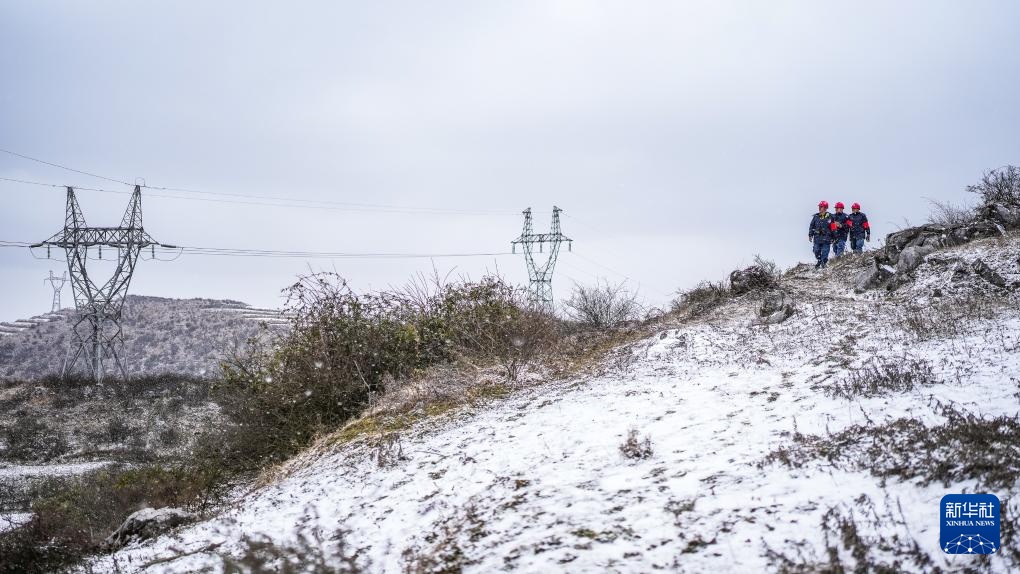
<point x="825" y="440"/>
<point x="183" y="336"/>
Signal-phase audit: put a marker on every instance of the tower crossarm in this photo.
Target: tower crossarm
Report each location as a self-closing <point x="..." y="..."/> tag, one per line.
<point x="541" y="238"/>
<point x="116" y="237"/>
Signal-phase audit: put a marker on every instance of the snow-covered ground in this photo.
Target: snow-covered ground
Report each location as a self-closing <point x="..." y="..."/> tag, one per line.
<point x="19" y="471"/>
<point x="537" y="483"/>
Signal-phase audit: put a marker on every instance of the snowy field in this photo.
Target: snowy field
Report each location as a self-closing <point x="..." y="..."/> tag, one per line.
<point x="537" y="482"/>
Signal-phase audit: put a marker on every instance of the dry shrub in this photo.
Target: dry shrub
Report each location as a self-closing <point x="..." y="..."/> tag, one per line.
<point x="312" y="553"/>
<point x="946" y="317"/>
<point x="881" y="377"/>
<point x="444" y="551"/>
<point x="856" y="540"/>
<point x="346" y="350"/>
<point x="949" y="214"/>
<point x="703" y="298"/>
<point x="907" y="449"/>
<point x="1000" y="185"/>
<point x="635" y="448"/>
<point x="73" y="516"/>
<point x="602" y="305"/>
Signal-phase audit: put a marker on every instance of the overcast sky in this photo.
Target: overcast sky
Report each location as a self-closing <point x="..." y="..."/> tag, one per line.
<point x="680" y="138"/>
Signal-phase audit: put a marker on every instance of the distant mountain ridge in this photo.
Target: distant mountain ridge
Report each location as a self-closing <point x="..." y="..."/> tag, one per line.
<point x="185" y="336"/>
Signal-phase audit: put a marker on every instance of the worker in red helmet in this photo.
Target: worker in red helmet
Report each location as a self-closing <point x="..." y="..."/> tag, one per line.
<point x="821" y="232"/>
<point x="842" y="229"/>
<point x="860" y="229"/>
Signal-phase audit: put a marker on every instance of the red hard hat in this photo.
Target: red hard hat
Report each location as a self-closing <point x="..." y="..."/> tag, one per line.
<point x="823" y="203"/>
<point x="855" y="206"/>
<point x="839" y="205"/>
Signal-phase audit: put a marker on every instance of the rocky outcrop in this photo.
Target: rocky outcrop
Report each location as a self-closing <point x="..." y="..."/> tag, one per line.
<point x="776" y="307"/>
<point x="872" y="278"/>
<point x="1005" y="215"/>
<point x="754" y="278"/>
<point x="929" y="238"/>
<point x="906" y="249"/>
<point x="148" y="523"/>
<point x="987" y="273"/>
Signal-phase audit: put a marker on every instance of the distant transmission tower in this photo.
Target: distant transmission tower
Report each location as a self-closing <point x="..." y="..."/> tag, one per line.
<point x="97" y="336"/>
<point x="540" y="276"/>
<point x="57" y="284"/>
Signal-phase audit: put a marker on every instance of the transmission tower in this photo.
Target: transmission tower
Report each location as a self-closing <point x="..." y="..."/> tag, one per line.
<point x="57" y="284"/>
<point x="97" y="336"/>
<point x="540" y="276"/>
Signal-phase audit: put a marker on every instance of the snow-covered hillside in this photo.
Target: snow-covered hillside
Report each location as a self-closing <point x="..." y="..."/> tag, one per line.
<point x="772" y="448"/>
<point x="182" y="336"/>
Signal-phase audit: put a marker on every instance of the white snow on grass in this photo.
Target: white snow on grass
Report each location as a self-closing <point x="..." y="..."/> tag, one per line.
<point x="537" y="482"/>
<point x="18" y="471"/>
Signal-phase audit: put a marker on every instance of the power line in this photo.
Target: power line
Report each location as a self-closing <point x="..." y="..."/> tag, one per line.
<point x="231" y="252"/>
<point x="284" y="202"/>
<point x="62" y="166"/>
<point x="238" y="252"/>
<point x="316" y="204"/>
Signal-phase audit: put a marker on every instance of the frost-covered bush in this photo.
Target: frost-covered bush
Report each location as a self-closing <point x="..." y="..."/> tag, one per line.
<point x="704" y="297"/>
<point x="999" y="186"/>
<point x="635" y="448"/>
<point x="345" y="349"/>
<point x="949" y="214"/>
<point x="72" y="516"/>
<point x="602" y="305"/>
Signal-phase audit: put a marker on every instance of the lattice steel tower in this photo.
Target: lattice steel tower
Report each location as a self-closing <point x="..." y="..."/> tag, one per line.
<point x="97" y="336"/>
<point x="57" y="283"/>
<point x="540" y="276"/>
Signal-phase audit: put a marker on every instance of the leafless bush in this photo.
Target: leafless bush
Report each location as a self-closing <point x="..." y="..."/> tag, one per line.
<point x="602" y="305"/>
<point x="855" y="541"/>
<point x="388" y="451"/>
<point x="635" y="448"/>
<point x="999" y="186"/>
<point x="947" y="317"/>
<point x="445" y="552"/>
<point x="310" y="554"/>
<point x="704" y="297"/>
<point x="907" y="449"/>
<point x="678" y="508"/>
<point x="771" y="269"/>
<point x="881" y="377"/>
<point x="949" y="214"/>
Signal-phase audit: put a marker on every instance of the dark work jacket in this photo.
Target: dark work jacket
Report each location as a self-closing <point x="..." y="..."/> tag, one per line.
<point x="843" y="229"/>
<point x="822" y="228"/>
<point x="859" y="226"/>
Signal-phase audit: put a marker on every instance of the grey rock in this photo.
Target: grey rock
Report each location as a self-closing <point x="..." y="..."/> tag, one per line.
<point x="873" y="277"/>
<point x="148" y="523"/>
<point x="1007" y="215"/>
<point x="960" y="270"/>
<point x="912" y="257"/>
<point x="753" y="278"/>
<point x="987" y="273"/>
<point x="777" y="307"/>
<point x="971" y="231"/>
